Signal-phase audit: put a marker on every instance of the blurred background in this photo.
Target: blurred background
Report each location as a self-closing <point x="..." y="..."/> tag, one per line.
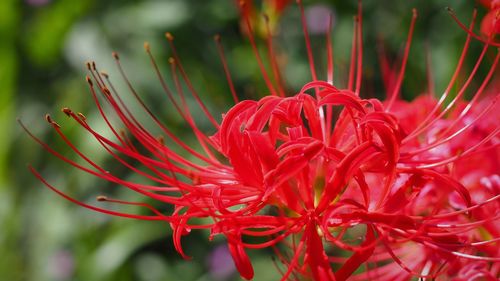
<point x="44" y="45"/>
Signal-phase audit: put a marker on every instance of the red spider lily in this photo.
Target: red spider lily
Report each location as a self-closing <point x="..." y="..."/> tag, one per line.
<point x="330" y="181"/>
<point x="490" y="24"/>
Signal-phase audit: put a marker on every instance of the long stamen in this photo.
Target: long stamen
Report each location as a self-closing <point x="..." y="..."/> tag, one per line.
<point x="222" y="57"/>
<point x="469" y="31"/>
<point x="102" y="173"/>
<point x="202" y="138"/>
<point x="352" y="67"/>
<point x="272" y="58"/>
<point x="399" y="81"/>
<point x="101" y="111"/>
<point x="329" y="77"/>
<point x="123" y="162"/>
<point x="170" y="39"/>
<point x="463" y="154"/>
<point x="211" y="158"/>
<point x="329" y="51"/>
<point x="458" y="96"/>
<point x="478" y="93"/>
<point x="450" y="84"/>
<point x="310" y="56"/>
<point x="440" y="141"/>
<point x="359" y="67"/>
<point x="100" y="210"/>
<point x="166" y="89"/>
<point x="256" y="53"/>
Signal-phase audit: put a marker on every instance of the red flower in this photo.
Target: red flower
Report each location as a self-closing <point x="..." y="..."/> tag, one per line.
<point x="490" y="24"/>
<point x="325" y="178"/>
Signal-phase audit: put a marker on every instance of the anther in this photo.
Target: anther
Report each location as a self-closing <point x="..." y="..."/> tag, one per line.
<point x="217" y="37"/>
<point x="123" y="134"/>
<point x="106" y="91"/>
<point x="105" y="74"/>
<point x="88" y="65"/>
<point x="83" y="117"/>
<point x="89" y="80"/>
<point x="66" y="111"/>
<point x="171" y="60"/>
<point x="51" y="121"/>
<point x="161" y="140"/>
<point x="48" y="118"/>
<point x="147" y="47"/>
<point x="195" y="179"/>
<point x="115" y="55"/>
<point x="101" y="198"/>
<point x="169" y="36"/>
<point x="94" y="67"/>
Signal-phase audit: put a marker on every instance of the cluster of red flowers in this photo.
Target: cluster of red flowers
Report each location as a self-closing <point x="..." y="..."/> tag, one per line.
<point x="337" y="185"/>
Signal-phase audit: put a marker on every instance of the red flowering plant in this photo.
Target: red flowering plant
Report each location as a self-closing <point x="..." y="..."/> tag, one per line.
<point x="337" y="185"/>
<point x="490" y="24"/>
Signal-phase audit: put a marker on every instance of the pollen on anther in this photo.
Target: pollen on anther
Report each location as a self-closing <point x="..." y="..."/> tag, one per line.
<point x="106" y="91"/>
<point x="147" y="47"/>
<point x="101" y="198"/>
<point x="83" y="117"/>
<point x="161" y="140"/>
<point x="169" y="36"/>
<point x="66" y="111"/>
<point x="89" y="80"/>
<point x="51" y="121"/>
<point x="123" y="133"/>
<point x="171" y="60"/>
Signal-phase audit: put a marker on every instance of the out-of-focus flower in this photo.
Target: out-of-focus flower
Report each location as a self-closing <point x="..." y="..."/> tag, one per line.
<point x="268" y="6"/>
<point x="61" y="265"/>
<point x="391" y="190"/>
<point x="490" y="24"/>
<point x="263" y="19"/>
<point x="318" y="19"/>
<point x="219" y="263"/>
